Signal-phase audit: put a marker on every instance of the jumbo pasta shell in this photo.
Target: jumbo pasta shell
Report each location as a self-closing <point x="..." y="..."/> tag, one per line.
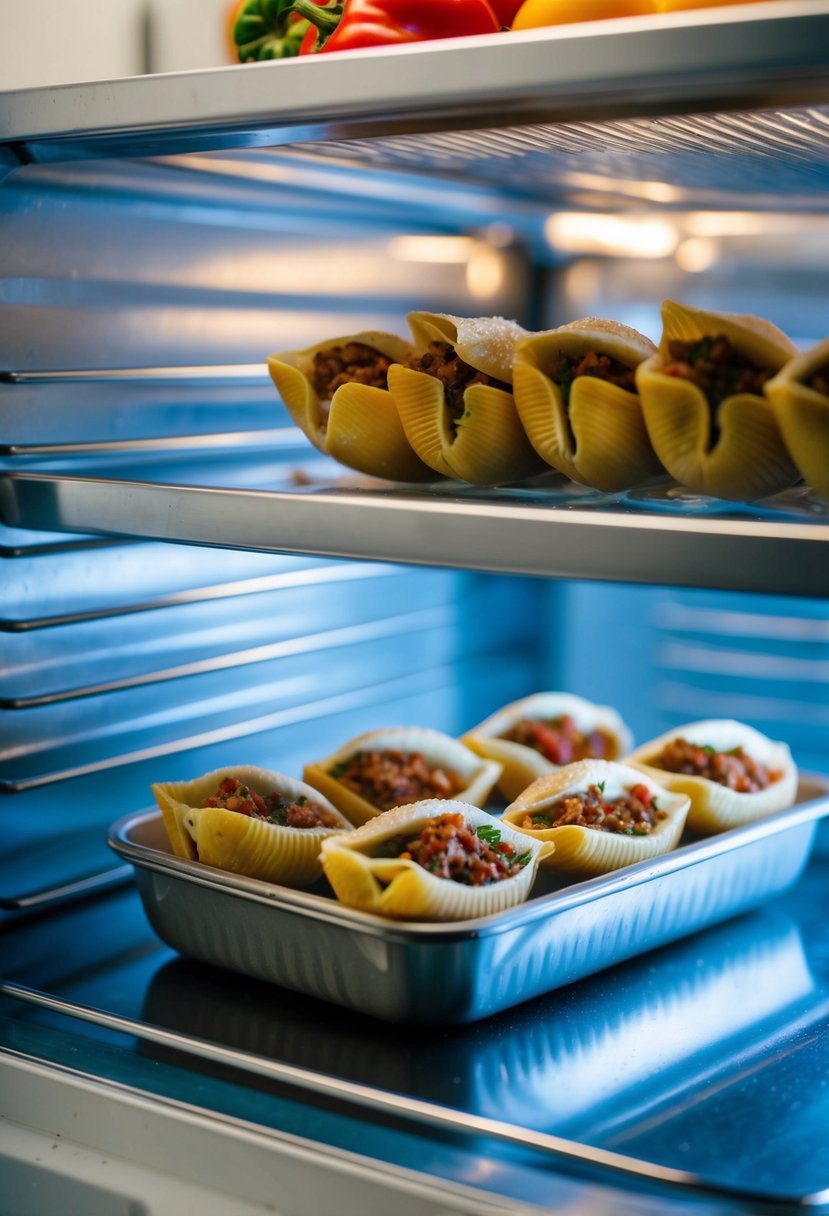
<point x="714" y="807"/>
<point x="360" y="426"/>
<point x="749" y="459"/>
<point x="237" y="843"/>
<point x="400" y="888"/>
<point x="588" y="851"/>
<point x="439" y="750"/>
<point x="520" y="764"/>
<point x="487" y="444"/>
<point x="599" y="438"/>
<point x="802" y="413"/>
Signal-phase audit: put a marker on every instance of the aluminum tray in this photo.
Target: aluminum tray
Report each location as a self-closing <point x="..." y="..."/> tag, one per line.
<point x="461" y="972"/>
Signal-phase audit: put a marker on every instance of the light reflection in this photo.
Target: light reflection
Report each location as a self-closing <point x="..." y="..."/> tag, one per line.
<point x="440" y="249"/>
<point x="697" y="254"/>
<point x="484" y="273"/>
<point x="618" y="236"/>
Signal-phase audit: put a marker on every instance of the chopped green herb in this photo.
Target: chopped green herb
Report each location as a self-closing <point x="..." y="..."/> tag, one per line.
<point x="338" y="769"/>
<point x="600" y="786"/>
<point x="301" y="800"/>
<point x="542" y="820"/>
<point x="565" y="383"/>
<point x="709" y="750"/>
<point x="523" y="858"/>
<point x="700" y="351"/>
<point x="488" y="833"/>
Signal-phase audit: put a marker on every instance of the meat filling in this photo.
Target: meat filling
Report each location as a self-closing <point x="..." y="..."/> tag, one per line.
<point x="734" y="769"/>
<point x="819" y="380"/>
<point x="395" y="778"/>
<point x="450" y="848"/>
<point x="443" y="362"/>
<point x="300" y="812"/>
<point x="353" y="363"/>
<point x="634" y="813"/>
<point x="560" y="741"/>
<point x="720" y="370"/>
<point x="567" y="368"/>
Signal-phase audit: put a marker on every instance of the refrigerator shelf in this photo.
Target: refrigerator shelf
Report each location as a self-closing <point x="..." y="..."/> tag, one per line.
<point x="549" y="527"/>
<point x="770" y="55"/>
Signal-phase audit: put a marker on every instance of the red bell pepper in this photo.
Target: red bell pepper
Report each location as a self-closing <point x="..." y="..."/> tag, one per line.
<point x="360" y="23"/>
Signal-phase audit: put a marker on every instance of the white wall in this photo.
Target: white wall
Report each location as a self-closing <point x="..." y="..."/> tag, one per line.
<point x="46" y="42"/>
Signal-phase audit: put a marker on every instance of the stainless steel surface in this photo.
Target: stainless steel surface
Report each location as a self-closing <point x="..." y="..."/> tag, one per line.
<point x="392" y="1106"/>
<point x="463" y="971"/>
<point x="85" y="658"/>
<point x="693" y="1057"/>
<point x="773" y="55"/>
<point x="561" y="530"/>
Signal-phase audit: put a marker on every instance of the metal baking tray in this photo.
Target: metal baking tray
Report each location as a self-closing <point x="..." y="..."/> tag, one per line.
<point x="444" y="974"/>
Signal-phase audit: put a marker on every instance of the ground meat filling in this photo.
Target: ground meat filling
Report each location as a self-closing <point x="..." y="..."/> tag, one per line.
<point x="716" y="366"/>
<point x="300" y="812"/>
<point x="353" y="363"/>
<point x="443" y="362"/>
<point x="819" y="380"/>
<point x="560" y="741"/>
<point x="450" y="848"/>
<point x="395" y="778"/>
<point x="634" y="813"/>
<point x="734" y="769"/>
<point x="567" y="368"/>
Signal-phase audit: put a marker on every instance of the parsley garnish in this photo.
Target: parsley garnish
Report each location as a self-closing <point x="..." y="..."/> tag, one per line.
<point x="523" y="858"/>
<point x="488" y="833"/>
<point x="543" y="820"/>
<point x="338" y="769"/>
<point x="301" y="800"/>
<point x="600" y="786"/>
<point x="709" y="750"/>
<point x="700" y="351"/>
<point x="565" y="383"/>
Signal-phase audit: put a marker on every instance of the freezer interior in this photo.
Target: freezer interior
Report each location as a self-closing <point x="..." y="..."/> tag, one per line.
<point x="187" y="583"/>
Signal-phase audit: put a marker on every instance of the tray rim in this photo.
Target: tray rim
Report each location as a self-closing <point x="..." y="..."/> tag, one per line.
<point x="320" y="907"/>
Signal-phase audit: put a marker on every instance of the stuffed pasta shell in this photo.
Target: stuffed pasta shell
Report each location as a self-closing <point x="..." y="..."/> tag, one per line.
<point x="702" y="397"/>
<point x="732" y="773"/>
<point x="382" y="769"/>
<point x="454" y="398"/>
<point x="540" y="733"/>
<point x="337" y="394"/>
<point x="601" y="815"/>
<point x="799" y="395"/>
<point x="433" y="860"/>
<point x="250" y="821"/>
<point x="575" y="392"/>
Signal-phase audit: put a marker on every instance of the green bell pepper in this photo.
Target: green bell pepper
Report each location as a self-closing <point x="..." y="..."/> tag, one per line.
<point x="268" y="29"/>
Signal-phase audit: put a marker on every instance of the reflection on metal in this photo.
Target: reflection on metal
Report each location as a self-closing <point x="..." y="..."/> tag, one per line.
<point x="409" y="1110"/>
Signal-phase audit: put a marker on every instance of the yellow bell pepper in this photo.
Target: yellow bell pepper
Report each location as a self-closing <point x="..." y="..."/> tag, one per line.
<point x="535" y="13"/>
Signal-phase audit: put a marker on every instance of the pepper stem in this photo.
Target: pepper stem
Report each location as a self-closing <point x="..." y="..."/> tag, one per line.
<point x="326" y="19"/>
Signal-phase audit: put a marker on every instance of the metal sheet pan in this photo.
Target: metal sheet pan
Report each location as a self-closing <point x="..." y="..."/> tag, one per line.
<point x="461" y="972"/>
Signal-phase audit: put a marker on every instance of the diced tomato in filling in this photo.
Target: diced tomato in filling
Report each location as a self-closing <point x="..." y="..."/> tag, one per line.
<point x="444" y="363"/>
<point x="634" y="813"/>
<point x="560" y="741"/>
<point x="567" y="368"/>
<point x="352" y="363"/>
<point x="300" y="812"/>
<point x="450" y="848"/>
<point x="734" y="769"/>
<point x="392" y="777"/>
